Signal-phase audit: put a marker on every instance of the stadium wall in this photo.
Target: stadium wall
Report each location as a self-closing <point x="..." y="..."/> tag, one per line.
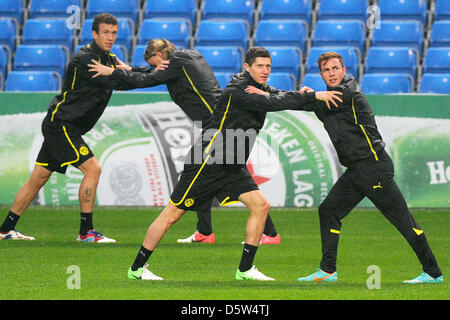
<point x="141" y="144"/>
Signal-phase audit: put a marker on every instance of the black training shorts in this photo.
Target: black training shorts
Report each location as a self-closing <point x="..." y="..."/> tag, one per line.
<point x="198" y="184"/>
<point x="63" y="146"/>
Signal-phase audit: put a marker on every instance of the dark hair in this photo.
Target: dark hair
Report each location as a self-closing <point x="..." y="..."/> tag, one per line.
<point x="103" y="18"/>
<point x="324" y="57"/>
<point x="159" y="45"/>
<point x="256" y="52"/>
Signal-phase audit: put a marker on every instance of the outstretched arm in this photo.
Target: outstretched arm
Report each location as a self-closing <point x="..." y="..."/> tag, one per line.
<point x="302" y="100"/>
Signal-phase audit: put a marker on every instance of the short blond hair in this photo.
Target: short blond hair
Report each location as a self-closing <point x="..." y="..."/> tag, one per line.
<point x="324" y="57"/>
<point x="159" y="45"/>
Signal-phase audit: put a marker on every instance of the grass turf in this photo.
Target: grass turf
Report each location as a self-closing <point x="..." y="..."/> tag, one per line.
<point x="39" y="270"/>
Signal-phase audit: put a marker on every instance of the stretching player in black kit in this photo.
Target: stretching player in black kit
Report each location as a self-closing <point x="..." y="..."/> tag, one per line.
<point x="193" y="87"/>
<point x="70" y="115"/>
<point x="370" y="173"/>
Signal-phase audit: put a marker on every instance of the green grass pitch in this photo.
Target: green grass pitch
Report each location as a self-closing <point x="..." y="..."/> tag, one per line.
<point x="41" y="269"/>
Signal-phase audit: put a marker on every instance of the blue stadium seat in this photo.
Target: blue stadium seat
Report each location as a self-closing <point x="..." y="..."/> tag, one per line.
<point x="33" y="81"/>
<point x="386" y="83"/>
<point x="41" y="58"/>
<point x="442" y="10"/>
<point x="8" y="33"/>
<point x="223" y="78"/>
<point x="177" y="31"/>
<point x="137" y="58"/>
<point x="286" y="9"/>
<point x="349" y="54"/>
<point x="48" y="31"/>
<point x="281" y="33"/>
<point x="223" y="59"/>
<point x="170" y="9"/>
<point x="340" y="33"/>
<point x="51" y="8"/>
<point x="124" y="36"/>
<point x="5" y="60"/>
<point x="437" y="60"/>
<point x="435" y="83"/>
<point x="118" y="50"/>
<point x="343" y="9"/>
<point x="159" y="88"/>
<point x="392" y="60"/>
<point x="119" y="8"/>
<point x="12" y="9"/>
<point x="399" y="34"/>
<point x="282" y="81"/>
<point x="286" y="59"/>
<point x="223" y="33"/>
<point x="403" y="10"/>
<point x="229" y="9"/>
<point x="314" y="81"/>
<point x="440" y="34"/>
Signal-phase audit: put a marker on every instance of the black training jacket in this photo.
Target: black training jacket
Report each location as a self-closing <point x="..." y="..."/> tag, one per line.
<point x="239" y="117"/>
<point x="190" y="81"/>
<point x="351" y="126"/>
<point x="83" y="98"/>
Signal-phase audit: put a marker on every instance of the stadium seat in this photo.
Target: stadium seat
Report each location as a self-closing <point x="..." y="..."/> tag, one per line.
<point x="5" y="60"/>
<point x="440" y="34"/>
<point x="314" y="81"/>
<point x="223" y="59"/>
<point x="403" y="10"/>
<point x="223" y="33"/>
<point x="52" y="8"/>
<point x="340" y="33"/>
<point x="124" y="36"/>
<point x="349" y="54"/>
<point x="286" y="59"/>
<point x="435" y="83"/>
<point x="118" y="50"/>
<point x="12" y="9"/>
<point x="286" y="9"/>
<point x="399" y="34"/>
<point x="437" y="60"/>
<point x="33" y="81"/>
<point x="8" y="33"/>
<point x="137" y="58"/>
<point x="119" y="8"/>
<point x="41" y="58"/>
<point x="392" y="60"/>
<point x="177" y="31"/>
<point x="281" y="33"/>
<point x="159" y="88"/>
<point x="282" y="81"/>
<point x="48" y="31"/>
<point x="386" y="83"/>
<point x="343" y="9"/>
<point x="170" y="9"/>
<point x="229" y="9"/>
<point x="442" y="10"/>
<point x="223" y="78"/>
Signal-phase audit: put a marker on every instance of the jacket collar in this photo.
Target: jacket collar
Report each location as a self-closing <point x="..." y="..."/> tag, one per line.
<point x="252" y="82"/>
<point x="97" y="49"/>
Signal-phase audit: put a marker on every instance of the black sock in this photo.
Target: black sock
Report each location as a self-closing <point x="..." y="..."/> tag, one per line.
<point x="248" y="255"/>
<point x="269" y="228"/>
<point x="141" y="258"/>
<point x="86" y="223"/>
<point x="10" y="222"/>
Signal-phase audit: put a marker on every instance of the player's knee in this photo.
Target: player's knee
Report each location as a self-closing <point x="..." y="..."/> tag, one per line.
<point x="324" y="210"/>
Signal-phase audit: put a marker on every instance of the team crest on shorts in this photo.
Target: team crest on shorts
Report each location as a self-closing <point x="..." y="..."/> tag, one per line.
<point x="189" y="202"/>
<point x="84" y="150"/>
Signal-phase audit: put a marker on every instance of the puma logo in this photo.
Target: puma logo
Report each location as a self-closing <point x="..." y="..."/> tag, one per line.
<point x="378" y="186"/>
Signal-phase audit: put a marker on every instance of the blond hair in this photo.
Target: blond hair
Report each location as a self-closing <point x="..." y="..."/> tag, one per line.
<point x="159" y="45"/>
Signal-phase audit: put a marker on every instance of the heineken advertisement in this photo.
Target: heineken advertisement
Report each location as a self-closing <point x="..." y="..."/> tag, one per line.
<point x="141" y="148"/>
